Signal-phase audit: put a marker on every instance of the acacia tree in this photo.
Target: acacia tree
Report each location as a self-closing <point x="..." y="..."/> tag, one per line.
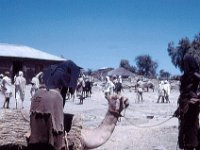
<point x="184" y="47"/>
<point x="196" y="42"/>
<point x="125" y="64"/>
<point x="164" y="74"/>
<point x="177" y="53"/>
<point x="195" y="48"/>
<point x="146" y="66"/>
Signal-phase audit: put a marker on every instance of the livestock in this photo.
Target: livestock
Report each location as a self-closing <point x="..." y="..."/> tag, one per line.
<point x="80" y="86"/>
<point x="81" y="98"/>
<point x="88" y="88"/>
<point x="146" y="85"/>
<point x="84" y="88"/>
<point x="118" y="87"/>
<point x="67" y="93"/>
<point x="70" y="93"/>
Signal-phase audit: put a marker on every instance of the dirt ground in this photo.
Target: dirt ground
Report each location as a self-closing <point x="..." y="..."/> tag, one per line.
<point x="142" y="128"/>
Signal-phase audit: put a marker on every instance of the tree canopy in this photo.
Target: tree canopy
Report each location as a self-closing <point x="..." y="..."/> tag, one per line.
<point x="146" y="66"/>
<point x="125" y="64"/>
<point x="184" y="47"/>
<point x="164" y="74"/>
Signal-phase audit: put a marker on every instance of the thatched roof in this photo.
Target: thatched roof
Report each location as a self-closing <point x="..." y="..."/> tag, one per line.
<point x="120" y="72"/>
<point x="101" y="72"/>
<point x="20" y="51"/>
<point x="13" y="128"/>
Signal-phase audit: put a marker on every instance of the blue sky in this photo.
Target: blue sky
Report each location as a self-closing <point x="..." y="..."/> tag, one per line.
<point x="99" y="33"/>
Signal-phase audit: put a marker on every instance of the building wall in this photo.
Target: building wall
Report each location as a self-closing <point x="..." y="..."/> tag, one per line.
<point x="30" y="67"/>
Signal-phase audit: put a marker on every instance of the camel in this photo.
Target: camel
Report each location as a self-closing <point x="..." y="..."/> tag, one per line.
<point x="89" y="138"/>
<point x="79" y="138"/>
<point x="84" y="88"/>
<point x="149" y="85"/>
<point x="118" y="88"/>
<point x="146" y="85"/>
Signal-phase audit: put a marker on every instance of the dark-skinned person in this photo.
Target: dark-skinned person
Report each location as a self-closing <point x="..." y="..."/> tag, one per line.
<point x="188" y="105"/>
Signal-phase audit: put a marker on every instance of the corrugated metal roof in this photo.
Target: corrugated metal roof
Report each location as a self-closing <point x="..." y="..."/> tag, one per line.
<point x="20" y="51"/>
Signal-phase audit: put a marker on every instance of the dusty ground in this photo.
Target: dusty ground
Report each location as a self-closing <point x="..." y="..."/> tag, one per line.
<point x="135" y="131"/>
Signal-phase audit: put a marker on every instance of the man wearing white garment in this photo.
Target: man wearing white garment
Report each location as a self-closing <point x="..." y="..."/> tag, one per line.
<point x="20" y="85"/>
<point x="7" y="89"/>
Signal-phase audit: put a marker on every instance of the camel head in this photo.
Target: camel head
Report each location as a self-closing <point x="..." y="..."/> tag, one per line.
<point x="117" y="104"/>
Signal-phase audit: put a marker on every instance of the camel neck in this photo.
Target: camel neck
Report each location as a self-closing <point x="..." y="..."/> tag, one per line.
<point x="102" y="133"/>
<point x="109" y="121"/>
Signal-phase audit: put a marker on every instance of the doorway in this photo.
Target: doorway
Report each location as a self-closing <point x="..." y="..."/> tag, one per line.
<point x="17" y="66"/>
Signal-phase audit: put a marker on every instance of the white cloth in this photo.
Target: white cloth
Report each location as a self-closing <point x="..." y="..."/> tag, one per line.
<point x="109" y="86"/>
<point x="120" y="79"/>
<point x="20" y="85"/>
<point x="166" y="87"/>
<point x="161" y="89"/>
<point x="140" y="86"/>
<point x="35" y="81"/>
<point x="6" y="82"/>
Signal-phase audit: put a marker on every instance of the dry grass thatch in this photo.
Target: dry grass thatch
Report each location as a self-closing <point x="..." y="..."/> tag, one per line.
<point x="13" y="128"/>
<point x="120" y="72"/>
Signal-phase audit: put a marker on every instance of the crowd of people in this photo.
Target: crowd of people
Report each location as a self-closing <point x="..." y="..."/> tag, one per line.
<point x="112" y="85"/>
<point x="19" y="83"/>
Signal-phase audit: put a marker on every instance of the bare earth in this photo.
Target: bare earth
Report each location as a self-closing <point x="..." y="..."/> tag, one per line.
<point x="135" y="131"/>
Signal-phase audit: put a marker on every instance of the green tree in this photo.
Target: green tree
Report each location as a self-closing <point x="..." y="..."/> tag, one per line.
<point x="125" y="64"/>
<point x="177" y="53"/>
<point x="184" y="47"/>
<point x="164" y="74"/>
<point x="196" y="42"/>
<point x="195" y="48"/>
<point x="146" y="66"/>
